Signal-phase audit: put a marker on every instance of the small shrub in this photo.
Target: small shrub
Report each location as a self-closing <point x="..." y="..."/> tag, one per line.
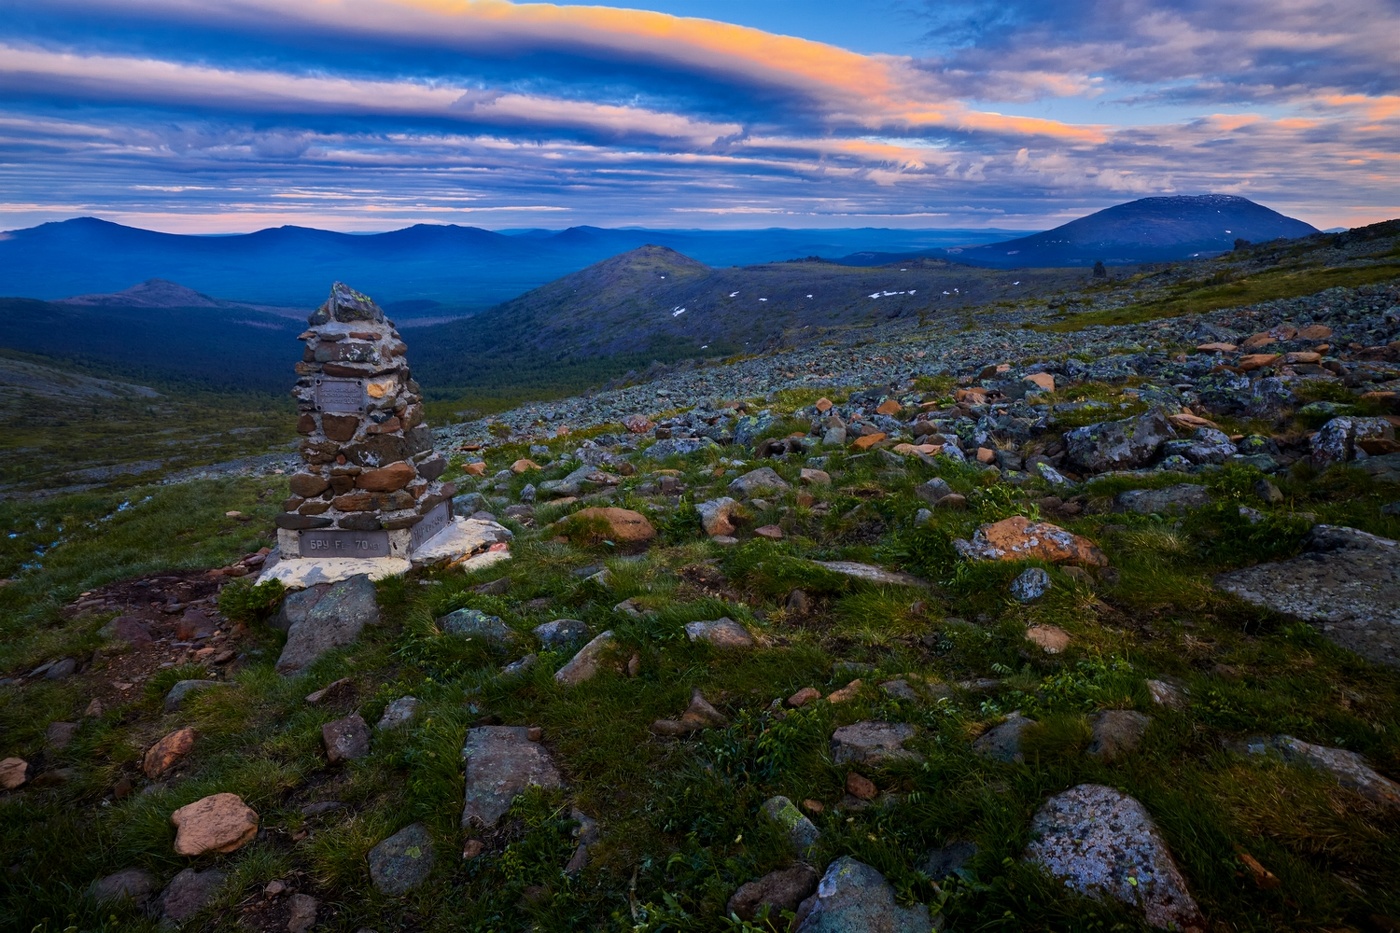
<point x="243" y="601"/>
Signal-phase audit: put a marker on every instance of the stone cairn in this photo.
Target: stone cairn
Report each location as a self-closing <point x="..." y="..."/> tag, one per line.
<point x="368" y="486"/>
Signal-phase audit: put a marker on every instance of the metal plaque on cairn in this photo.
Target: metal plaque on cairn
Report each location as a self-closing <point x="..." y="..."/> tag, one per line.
<point x="369" y="484"/>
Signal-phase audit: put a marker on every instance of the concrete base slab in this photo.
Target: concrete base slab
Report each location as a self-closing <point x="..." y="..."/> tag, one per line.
<point x="300" y="573"/>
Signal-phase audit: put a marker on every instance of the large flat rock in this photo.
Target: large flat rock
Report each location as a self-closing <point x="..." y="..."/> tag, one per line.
<point x="462" y="539"/>
<point x="302" y="572"/>
<point x="1346" y="583"/>
<point x="501" y="761"/>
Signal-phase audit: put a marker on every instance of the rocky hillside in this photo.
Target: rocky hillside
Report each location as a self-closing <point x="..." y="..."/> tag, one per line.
<point x="1080" y="619"/>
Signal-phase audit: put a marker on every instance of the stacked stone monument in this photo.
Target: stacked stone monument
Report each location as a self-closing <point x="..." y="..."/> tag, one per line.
<point x="369" y="483"/>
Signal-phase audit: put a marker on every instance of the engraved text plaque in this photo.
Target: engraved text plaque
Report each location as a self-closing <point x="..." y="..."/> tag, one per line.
<point x="340" y="395"/>
<point x="344" y="544"/>
<point x="437" y="519"/>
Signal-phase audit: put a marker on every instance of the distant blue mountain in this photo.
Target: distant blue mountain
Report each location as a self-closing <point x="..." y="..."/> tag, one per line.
<point x="450" y="267"/>
<point x="1164" y="229"/>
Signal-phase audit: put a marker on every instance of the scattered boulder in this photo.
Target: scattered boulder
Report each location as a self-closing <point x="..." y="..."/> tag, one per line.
<point x="1032" y="584"/>
<point x="335" y="621"/>
<point x="501" y="761"/>
<point x="1346" y="583"/>
<point x="852" y="897"/>
<point x="699" y="715"/>
<point x="166" y="753"/>
<point x="403" y="861"/>
<point x="1019" y="538"/>
<point x="473" y="623"/>
<point x="1118" y="445"/>
<point x="59" y="734"/>
<point x="561" y="632"/>
<point x="1104" y="843"/>
<point x="778" y="891"/>
<point x="590" y="660"/>
<point x="871" y="574"/>
<point x="933" y="491"/>
<point x="756" y="482"/>
<point x="182" y="690"/>
<point x="333" y="692"/>
<point x="14" y="772"/>
<point x="1051" y="638"/>
<point x="1117" y="732"/>
<point x="296" y="605"/>
<point x="801" y="832"/>
<point x="1340" y="439"/>
<point x="625" y="528"/>
<point x="724" y="633"/>
<point x="587" y="834"/>
<point x="1349" y="768"/>
<point x="188" y="893"/>
<point x="346" y="739"/>
<point x="217" y="823"/>
<point x="398" y="714"/>
<point x="872" y="742"/>
<point x="1170" y="500"/>
<point x="301" y="912"/>
<point x="1003" y="742"/>
<point x="129" y="884"/>
<point x="717" y="516"/>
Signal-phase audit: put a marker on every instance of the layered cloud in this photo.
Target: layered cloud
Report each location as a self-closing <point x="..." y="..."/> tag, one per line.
<point x="369" y="113"/>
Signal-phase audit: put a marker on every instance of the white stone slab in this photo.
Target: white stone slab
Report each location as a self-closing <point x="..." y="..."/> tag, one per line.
<point x="462" y="538"/>
<point x="300" y="573"/>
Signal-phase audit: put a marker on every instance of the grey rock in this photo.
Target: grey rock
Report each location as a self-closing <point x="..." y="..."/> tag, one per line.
<point x="1346" y="583"/>
<point x="721" y="633"/>
<point x="59" y="734"/>
<point x="778" y="891"/>
<point x="398" y="714"/>
<point x="61" y="669"/>
<point x="1003" y="742"/>
<point x="561" y="633"/>
<point x="899" y="689"/>
<point x="295" y="606"/>
<point x="1104" y="843"/>
<point x="188" y="893"/>
<point x="516" y="668"/>
<point x="1268" y="492"/>
<point x="749" y="427"/>
<point x="182" y="690"/>
<point x="871" y="574"/>
<point x="872" y="742"/>
<point x="335" y="621"/>
<point x="1169" y="500"/>
<point x="802" y="834"/>
<point x="469" y="503"/>
<point x="129" y="884"/>
<point x="1051" y="475"/>
<point x="346" y="739"/>
<point x="403" y="861"/>
<point x="1117" y="732"/>
<point x="587" y="834"/>
<point x="1167" y="694"/>
<point x="475" y="624"/>
<point x="933" y="490"/>
<point x="677" y="447"/>
<point x="1032" y="584"/>
<point x="755" y="482"/>
<point x="852" y="897"/>
<point x="1118" y="445"/>
<point x="1339" y="439"/>
<point x="501" y="762"/>
<point x="590" y="660"/>
<point x="1349" y="768"/>
<point x="301" y="913"/>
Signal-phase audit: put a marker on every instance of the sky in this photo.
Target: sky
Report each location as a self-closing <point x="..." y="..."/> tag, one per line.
<point x="223" y="116"/>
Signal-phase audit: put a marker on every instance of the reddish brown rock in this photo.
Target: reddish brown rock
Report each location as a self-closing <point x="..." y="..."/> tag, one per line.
<point x="861" y="787"/>
<point x="1217" y="347"/>
<point x="804" y="696"/>
<point x="387" y="479"/>
<point x="868" y="441"/>
<point x="166" y="753"/>
<point x="474" y="469"/>
<point x="307" y="485"/>
<point x="1019" y="538"/>
<point x="1253" y="361"/>
<point x="306" y="424"/>
<point x="889" y="407"/>
<point x="1042" y="381"/>
<point x="523" y="466"/>
<point x="824" y="405"/>
<point x="217" y="823"/>
<point x="623" y="526"/>
<point x="340" y="427"/>
<point x="1314" y="332"/>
